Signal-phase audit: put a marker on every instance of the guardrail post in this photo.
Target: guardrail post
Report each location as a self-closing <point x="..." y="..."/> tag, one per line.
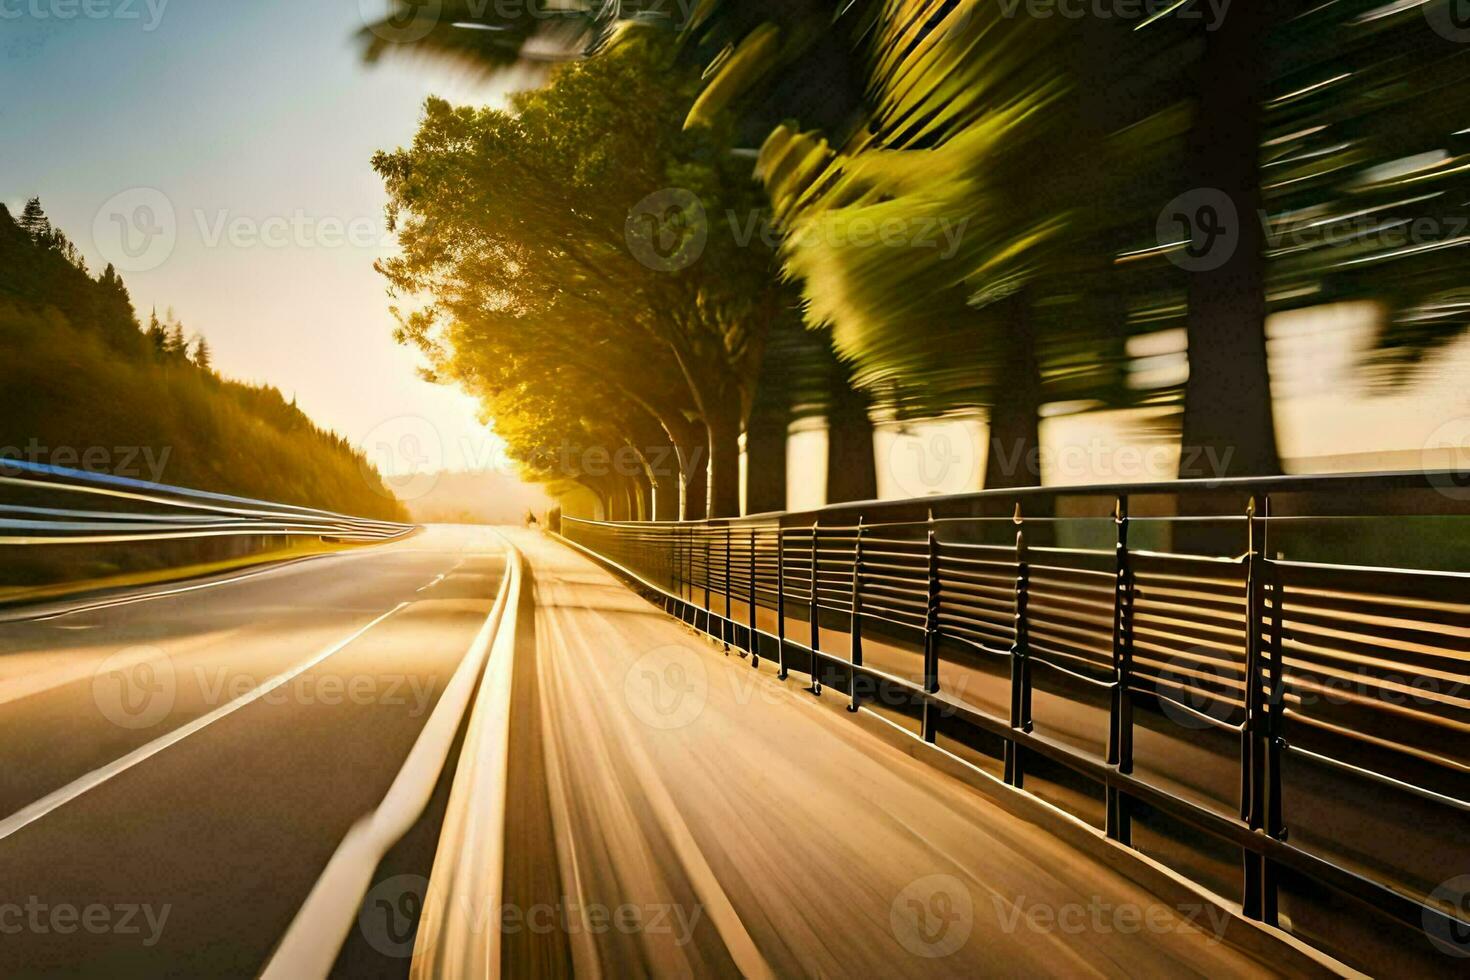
<point x="1257" y="878"/>
<point x="1120" y="733"/>
<point x="816" y="615"/>
<point x="781" y="672"/>
<point x="753" y="646"/>
<point x="856" y="652"/>
<point x="1015" y="770"/>
<point x="708" y="613"/>
<point x="727" y="628"/>
<point x="931" y="638"/>
<point x="1275" y="721"/>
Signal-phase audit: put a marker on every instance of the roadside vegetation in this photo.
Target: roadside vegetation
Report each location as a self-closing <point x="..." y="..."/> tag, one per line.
<point x="88" y="386"/>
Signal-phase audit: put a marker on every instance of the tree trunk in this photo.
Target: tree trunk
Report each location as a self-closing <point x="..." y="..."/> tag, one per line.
<point x="724" y="464"/>
<point x="666" y="498"/>
<point x="852" y="467"/>
<point x="765" y="464"/>
<point x="643" y="497"/>
<point x="1229" y="418"/>
<point x="617" y="499"/>
<point x="1014" y="458"/>
<point x="693" y="464"/>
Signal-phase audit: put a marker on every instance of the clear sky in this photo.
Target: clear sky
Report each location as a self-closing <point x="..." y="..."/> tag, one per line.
<point x="256" y="121"/>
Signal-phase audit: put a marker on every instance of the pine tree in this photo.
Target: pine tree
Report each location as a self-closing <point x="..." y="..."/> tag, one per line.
<point x="157" y="335"/>
<point x="176" y="346"/>
<point x="33" y="222"/>
<point x="201" y="354"/>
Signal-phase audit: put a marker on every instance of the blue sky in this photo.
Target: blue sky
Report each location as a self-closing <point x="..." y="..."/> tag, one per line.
<point x="256" y="121"/>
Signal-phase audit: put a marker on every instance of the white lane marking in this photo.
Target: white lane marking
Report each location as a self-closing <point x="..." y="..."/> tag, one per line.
<point x="439" y="578"/>
<point x="163" y="593"/>
<point x="321" y="926"/>
<point x="30" y="814"/>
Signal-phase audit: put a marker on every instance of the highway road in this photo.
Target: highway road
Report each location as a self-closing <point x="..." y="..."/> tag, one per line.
<point x="166" y="805"/>
<point x="180" y="768"/>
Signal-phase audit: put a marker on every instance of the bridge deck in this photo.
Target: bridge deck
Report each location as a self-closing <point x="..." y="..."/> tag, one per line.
<point x="755" y="830"/>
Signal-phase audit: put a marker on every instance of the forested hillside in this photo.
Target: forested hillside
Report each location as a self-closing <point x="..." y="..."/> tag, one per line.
<point x="87" y="386"/>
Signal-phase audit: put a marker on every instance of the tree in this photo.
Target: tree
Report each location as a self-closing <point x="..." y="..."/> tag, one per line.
<point x="157" y="335"/>
<point x="202" y="358"/>
<point x="175" y="347"/>
<point x="527" y="213"/>
<point x="33" y="222"/>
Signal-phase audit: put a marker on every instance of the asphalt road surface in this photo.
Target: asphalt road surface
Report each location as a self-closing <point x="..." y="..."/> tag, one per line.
<point x="164" y="814"/>
<point x="178" y="770"/>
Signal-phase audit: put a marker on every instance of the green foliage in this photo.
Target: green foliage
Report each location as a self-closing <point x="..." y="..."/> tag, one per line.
<point x="515" y="228"/>
<point x="84" y="388"/>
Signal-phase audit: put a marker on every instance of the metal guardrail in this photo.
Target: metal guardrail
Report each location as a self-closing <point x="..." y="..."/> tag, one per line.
<point x="118" y="510"/>
<point x="1320" y="674"/>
